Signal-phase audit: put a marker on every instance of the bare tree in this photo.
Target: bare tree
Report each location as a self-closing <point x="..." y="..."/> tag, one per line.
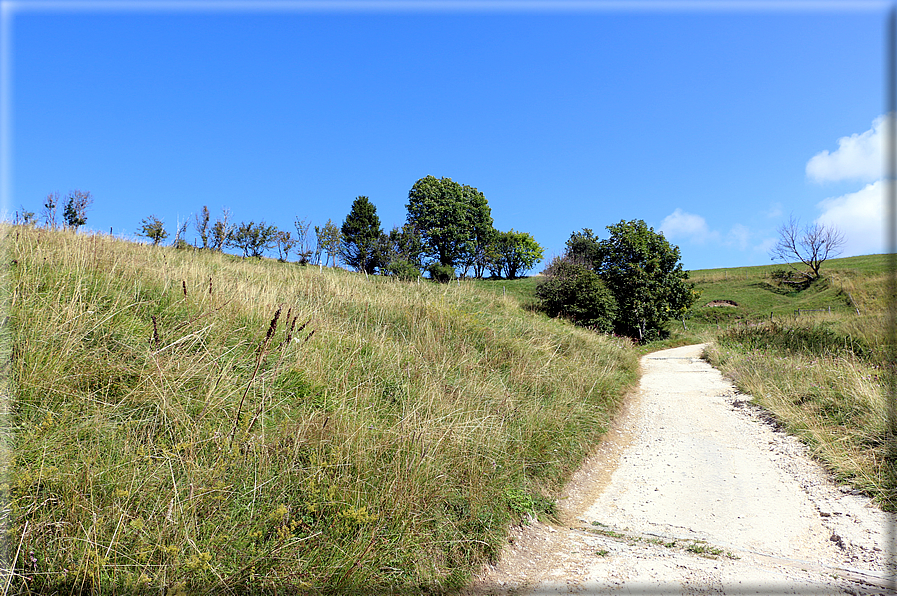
<point x="812" y="245"/>
<point x="221" y="231"/>
<point x="303" y="239"/>
<point x="50" y="209"/>
<point x="202" y="226"/>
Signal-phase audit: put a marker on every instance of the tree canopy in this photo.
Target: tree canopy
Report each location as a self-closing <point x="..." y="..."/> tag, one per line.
<point x="641" y="269"/>
<point x="513" y="253"/>
<point x="450" y="218"/>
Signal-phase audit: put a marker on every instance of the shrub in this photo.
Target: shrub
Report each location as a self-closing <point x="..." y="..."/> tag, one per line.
<point x="402" y="269"/>
<point x="441" y="273"/>
<point x="574" y="291"/>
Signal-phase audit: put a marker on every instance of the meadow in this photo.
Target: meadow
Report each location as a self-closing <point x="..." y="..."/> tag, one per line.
<point x="188" y="421"/>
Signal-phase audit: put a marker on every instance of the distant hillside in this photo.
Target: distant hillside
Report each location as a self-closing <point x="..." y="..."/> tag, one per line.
<point x="760" y="292"/>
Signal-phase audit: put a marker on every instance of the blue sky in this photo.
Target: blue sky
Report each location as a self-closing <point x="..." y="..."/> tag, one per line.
<point x="712" y="124"/>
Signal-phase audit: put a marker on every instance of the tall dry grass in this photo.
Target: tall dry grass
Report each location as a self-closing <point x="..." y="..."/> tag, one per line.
<point x="825" y="386"/>
<point x="193" y="421"/>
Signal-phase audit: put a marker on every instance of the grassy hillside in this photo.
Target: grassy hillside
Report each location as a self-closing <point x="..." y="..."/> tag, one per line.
<point x="195" y="422"/>
<point x="818" y="358"/>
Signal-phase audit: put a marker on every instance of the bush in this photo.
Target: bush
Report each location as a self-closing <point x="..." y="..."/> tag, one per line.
<point x="574" y="291"/>
<point x="441" y="273"/>
<point x="405" y="270"/>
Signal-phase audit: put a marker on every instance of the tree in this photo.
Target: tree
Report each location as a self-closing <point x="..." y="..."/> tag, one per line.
<point x="361" y="236"/>
<point x="222" y="231"/>
<point x="812" y="245"/>
<point x="572" y="290"/>
<point x="253" y="238"/>
<point x="645" y="274"/>
<point x="50" y="209"/>
<point x="448" y="216"/>
<point x="202" y="226"/>
<point x="285" y="243"/>
<point x="329" y="240"/>
<point x="75" y="212"/>
<point x="400" y="253"/>
<point x="515" y="252"/>
<point x="179" y="232"/>
<point x="303" y="240"/>
<point x="152" y="227"/>
<point x="23" y="216"/>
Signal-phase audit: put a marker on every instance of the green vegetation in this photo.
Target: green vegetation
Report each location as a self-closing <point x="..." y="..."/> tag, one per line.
<point x="361" y="235"/>
<point x="632" y="282"/>
<point x="192" y="421"/>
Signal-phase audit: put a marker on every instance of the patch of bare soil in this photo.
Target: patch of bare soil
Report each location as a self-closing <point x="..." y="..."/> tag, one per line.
<point x="722" y="303"/>
<point x="694" y="492"/>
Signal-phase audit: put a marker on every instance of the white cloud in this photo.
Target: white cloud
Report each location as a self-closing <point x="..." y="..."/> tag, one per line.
<point x="858" y="157"/>
<point x="740" y="234"/>
<point x="860" y="216"/>
<point x="774" y="211"/>
<point x="683" y="225"/>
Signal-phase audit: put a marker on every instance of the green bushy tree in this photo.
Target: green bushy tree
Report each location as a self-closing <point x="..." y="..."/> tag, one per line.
<point x="360" y="235"/>
<point x="639" y="267"/>
<point x="644" y="272"/>
<point x="450" y="218"/>
<point x="152" y="227"/>
<point x="253" y="238"/>
<point x="515" y="253"/>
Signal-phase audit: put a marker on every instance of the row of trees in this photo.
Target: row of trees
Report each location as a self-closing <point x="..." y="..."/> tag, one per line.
<point x="630" y="283"/>
<point x="448" y="230"/>
<point x="74" y="211"/>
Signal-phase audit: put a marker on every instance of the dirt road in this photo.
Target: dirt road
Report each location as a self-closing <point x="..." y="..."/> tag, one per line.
<point x="695" y="492"/>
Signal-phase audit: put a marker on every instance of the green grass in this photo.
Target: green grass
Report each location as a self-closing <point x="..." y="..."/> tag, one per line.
<point x="191" y="421"/>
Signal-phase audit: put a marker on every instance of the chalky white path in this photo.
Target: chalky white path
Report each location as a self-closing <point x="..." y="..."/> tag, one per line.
<point x="691" y="465"/>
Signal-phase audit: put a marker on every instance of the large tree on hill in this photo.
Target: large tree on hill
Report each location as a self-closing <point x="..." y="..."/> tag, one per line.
<point x="361" y="236"/>
<point x="639" y="267"/>
<point x="645" y="274"/>
<point x="450" y="218"/>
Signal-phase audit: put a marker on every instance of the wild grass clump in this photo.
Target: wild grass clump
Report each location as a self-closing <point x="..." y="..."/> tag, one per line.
<point x="191" y="421"/>
<point x="829" y="390"/>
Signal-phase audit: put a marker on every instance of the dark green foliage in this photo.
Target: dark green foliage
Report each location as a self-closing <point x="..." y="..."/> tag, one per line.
<point x="450" y="218"/>
<point x="399" y="253"/>
<point x="360" y="236"/>
<point x="642" y="271"/>
<point x="645" y="274"/>
<point x="574" y="291"/>
<point x="152" y="227"/>
<point x="75" y="212"/>
<point x="441" y="273"/>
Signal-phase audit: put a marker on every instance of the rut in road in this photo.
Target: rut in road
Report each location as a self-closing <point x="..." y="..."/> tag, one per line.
<point x="695" y="492"/>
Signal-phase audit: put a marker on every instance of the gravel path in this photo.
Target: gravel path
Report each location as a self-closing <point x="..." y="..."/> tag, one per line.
<point x="695" y="492"/>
